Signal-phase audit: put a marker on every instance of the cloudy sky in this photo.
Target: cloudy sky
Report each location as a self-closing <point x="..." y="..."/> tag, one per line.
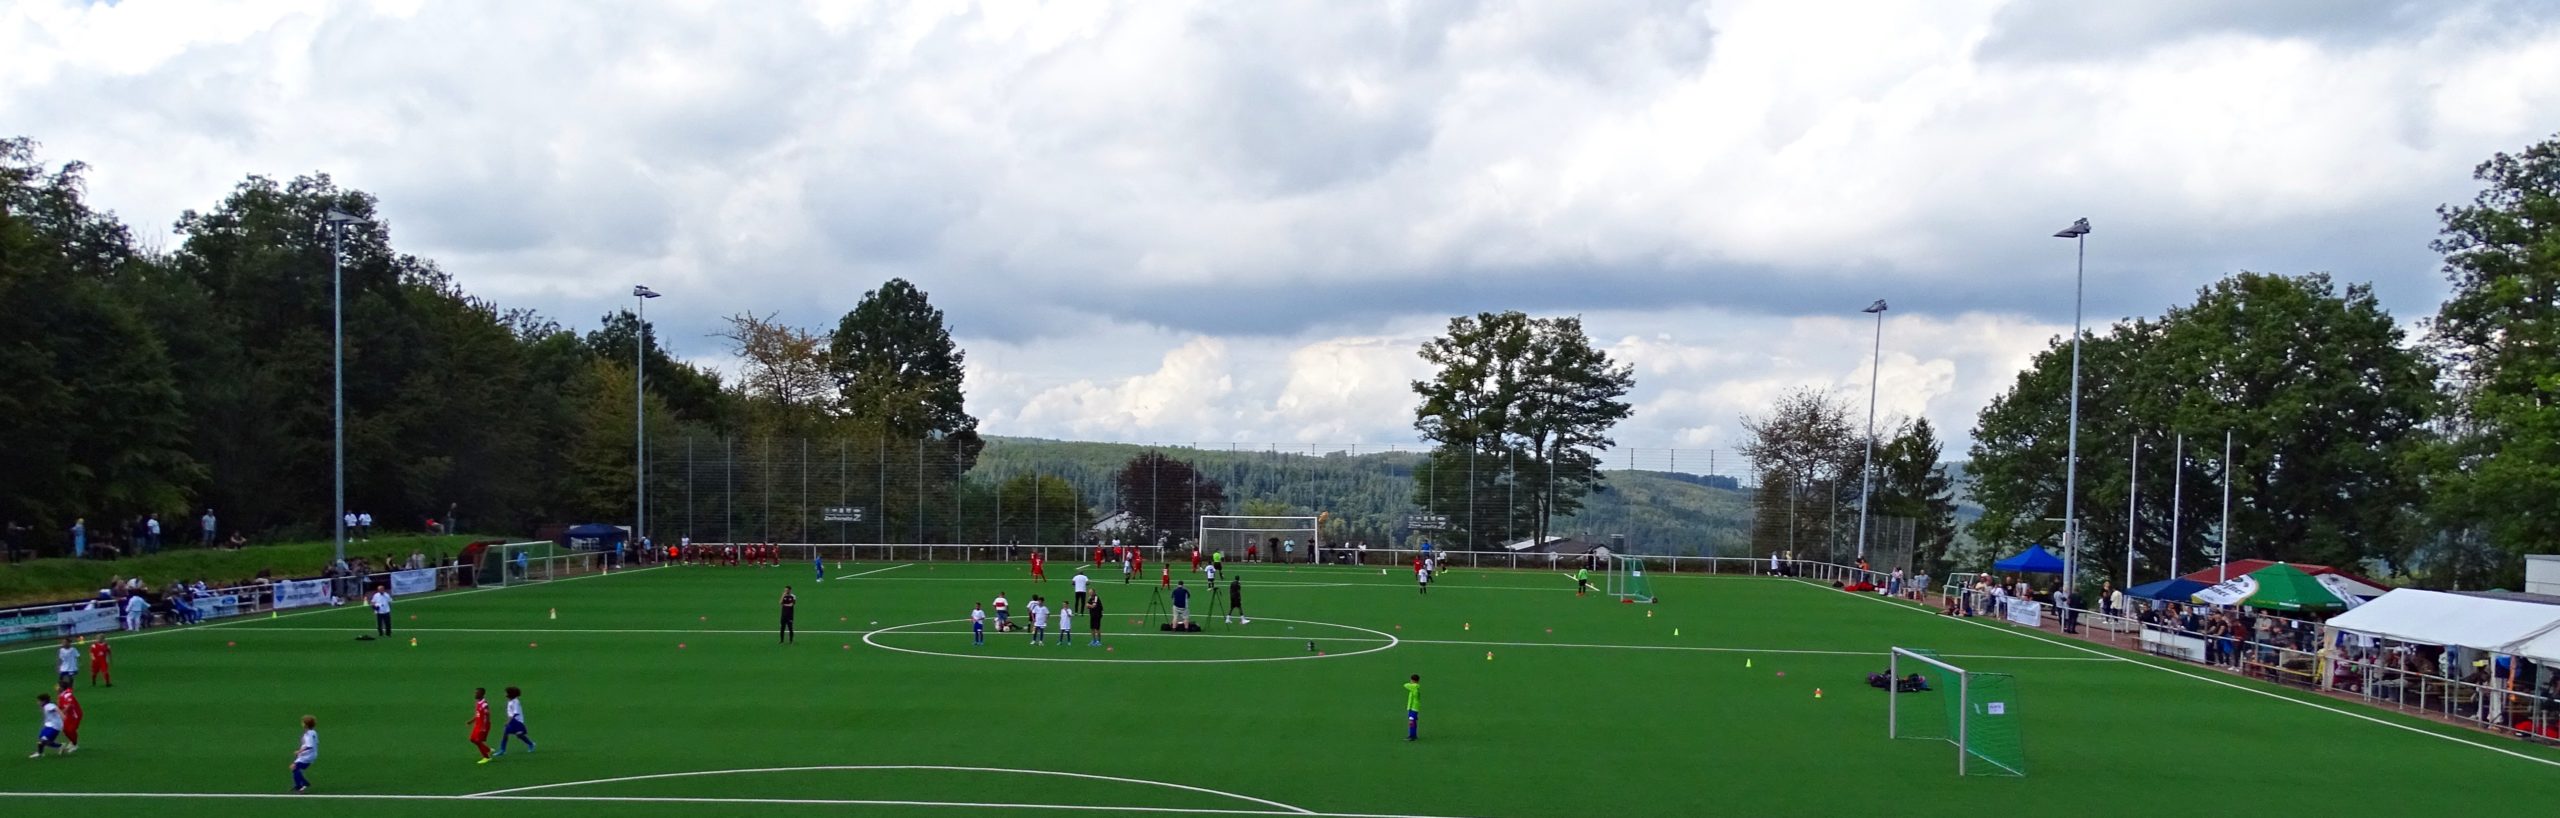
<point x="1234" y="222"/>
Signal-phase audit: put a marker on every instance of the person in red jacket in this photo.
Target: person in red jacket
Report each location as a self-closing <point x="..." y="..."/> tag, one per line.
<point x="98" y="651"/>
<point x="480" y="721"/>
<point x="71" y="714"/>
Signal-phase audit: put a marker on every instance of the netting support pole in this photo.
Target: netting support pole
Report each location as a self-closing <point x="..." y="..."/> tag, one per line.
<point x="1964" y="717"/>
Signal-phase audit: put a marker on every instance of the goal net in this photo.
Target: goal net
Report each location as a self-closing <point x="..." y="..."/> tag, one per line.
<point x="1977" y="712"/>
<point x="523" y="562"/>
<point x="1627" y="580"/>
<point x="1260" y="539"/>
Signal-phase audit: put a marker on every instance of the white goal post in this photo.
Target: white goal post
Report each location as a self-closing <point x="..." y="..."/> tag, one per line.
<point x="1269" y="539"/>
<point x="539" y="561"/>
<point x="1975" y="711"/>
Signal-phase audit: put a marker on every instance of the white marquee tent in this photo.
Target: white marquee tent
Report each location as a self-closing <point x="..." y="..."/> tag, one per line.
<point x="2479" y="623"/>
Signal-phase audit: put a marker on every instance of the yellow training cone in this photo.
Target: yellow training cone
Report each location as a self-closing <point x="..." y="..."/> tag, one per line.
<point x="1488" y="656"/>
<point x="1746" y="663"/>
<point x="1676" y="632"/>
<point x="1817" y="692"/>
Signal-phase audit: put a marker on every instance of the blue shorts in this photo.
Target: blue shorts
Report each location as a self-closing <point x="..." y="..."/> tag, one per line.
<point x="47" y="734"/>
<point x="1413" y="715"/>
<point x="515" y="725"/>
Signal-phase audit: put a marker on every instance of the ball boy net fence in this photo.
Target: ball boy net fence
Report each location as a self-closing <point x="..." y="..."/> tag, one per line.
<point x="1977" y="712"/>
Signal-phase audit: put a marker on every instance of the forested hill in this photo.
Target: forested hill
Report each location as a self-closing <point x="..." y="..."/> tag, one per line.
<point x="1371" y="493"/>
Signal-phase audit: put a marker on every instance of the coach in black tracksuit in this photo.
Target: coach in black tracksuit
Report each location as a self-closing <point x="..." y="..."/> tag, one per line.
<point x="789" y="604"/>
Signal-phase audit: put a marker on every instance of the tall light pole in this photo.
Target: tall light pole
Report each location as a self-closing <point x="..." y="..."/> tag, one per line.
<point x="640" y="412"/>
<point x="1866" y="476"/>
<point x="2078" y="233"/>
<point x="338" y="222"/>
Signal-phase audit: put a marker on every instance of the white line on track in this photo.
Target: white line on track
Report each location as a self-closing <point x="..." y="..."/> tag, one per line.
<point x="2223" y="682"/>
<point x="901" y="767"/>
<point x="237" y="620"/>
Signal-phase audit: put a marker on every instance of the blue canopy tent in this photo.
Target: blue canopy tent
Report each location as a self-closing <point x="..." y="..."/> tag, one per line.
<point x="2173" y="589"/>
<point x="2034" y="560"/>
<point x="594" y="537"/>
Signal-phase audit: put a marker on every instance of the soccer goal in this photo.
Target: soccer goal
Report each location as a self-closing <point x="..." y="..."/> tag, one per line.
<point x="1977" y="712"/>
<point x="523" y="562"/>
<point x="1627" y="580"/>
<point x="1265" y="539"/>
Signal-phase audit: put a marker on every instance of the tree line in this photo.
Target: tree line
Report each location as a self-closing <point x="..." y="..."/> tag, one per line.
<point x="2425" y="451"/>
<point x="142" y="380"/>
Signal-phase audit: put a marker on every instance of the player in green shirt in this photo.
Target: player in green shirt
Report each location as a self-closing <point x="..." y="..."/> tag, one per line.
<point x="1581" y="581"/>
<point x="1413" y="708"/>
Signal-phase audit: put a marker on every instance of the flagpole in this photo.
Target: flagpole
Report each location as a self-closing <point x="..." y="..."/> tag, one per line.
<point x="2222" y="556"/>
<point x="2177" y="501"/>
<point x="2132" y="509"/>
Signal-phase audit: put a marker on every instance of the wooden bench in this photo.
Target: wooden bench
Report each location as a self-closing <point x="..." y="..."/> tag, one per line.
<point x="2283" y="673"/>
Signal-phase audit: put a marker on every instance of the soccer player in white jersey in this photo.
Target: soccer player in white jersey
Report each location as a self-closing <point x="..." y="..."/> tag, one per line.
<point x="1039" y="621"/>
<point x="515" y="722"/>
<point x="66" y="662"/>
<point x="52" y="726"/>
<point x="307" y="754"/>
<point x="1082" y="583"/>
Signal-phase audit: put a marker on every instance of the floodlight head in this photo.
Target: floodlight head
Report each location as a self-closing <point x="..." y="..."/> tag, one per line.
<point x="339" y="218"/>
<point x="1875" y="307"/>
<point x="643" y="291"/>
<point x="2078" y="228"/>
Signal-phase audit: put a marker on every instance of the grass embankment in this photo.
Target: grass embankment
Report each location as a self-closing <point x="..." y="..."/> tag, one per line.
<point x="62" y="579"/>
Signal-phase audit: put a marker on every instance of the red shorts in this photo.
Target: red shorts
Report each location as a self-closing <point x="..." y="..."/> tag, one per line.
<point x="480" y="734"/>
<point x="97" y="667"/>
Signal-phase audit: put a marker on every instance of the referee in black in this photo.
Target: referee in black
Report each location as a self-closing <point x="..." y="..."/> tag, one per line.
<point x="789" y="604"/>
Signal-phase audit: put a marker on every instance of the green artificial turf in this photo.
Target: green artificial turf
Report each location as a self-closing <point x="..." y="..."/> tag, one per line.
<point x="1586" y="707"/>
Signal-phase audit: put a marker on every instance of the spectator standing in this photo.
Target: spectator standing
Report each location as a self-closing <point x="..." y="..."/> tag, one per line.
<point x="135" y="607"/>
<point x="79" y="537"/>
<point x="349" y="520"/>
<point x="207" y="526"/>
<point x="151" y="528"/>
<point x="364" y="524"/>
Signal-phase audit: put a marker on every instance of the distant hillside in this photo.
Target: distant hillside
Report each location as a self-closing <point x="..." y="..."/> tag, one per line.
<point x="1658" y="512"/>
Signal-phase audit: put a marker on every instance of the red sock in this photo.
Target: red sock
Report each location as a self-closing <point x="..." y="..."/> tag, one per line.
<point x="483" y="745"/>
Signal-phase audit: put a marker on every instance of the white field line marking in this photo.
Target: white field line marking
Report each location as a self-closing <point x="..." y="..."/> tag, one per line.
<point x="908" y="631"/>
<point x="868" y="639"/>
<point x="606" y="799"/>
<point x="237" y="620"/>
<point x="1704" y="649"/>
<point x="2222" y="682"/>
<point x="1275" y="583"/>
<point x="877" y="570"/>
<point x="770" y="631"/>
<point x="900" y="767"/>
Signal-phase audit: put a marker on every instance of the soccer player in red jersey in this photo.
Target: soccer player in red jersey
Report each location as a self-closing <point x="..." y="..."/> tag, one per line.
<point x="70" y="705"/>
<point x="1195" y="559"/>
<point x="1039" y="571"/>
<point x="1137" y="562"/>
<point x="480" y="721"/>
<point x="98" y="651"/>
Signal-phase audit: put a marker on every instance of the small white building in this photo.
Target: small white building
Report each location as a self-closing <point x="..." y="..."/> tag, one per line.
<point x="2542" y="574"/>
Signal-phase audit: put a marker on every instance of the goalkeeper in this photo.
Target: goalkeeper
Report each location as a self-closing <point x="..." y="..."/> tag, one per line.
<point x="1581" y="581"/>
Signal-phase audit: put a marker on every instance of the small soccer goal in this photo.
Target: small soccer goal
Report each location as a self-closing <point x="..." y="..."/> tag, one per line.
<point x="1977" y="712"/>
<point x="523" y="562"/>
<point x="1261" y="539"/>
<point x="1627" y="580"/>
